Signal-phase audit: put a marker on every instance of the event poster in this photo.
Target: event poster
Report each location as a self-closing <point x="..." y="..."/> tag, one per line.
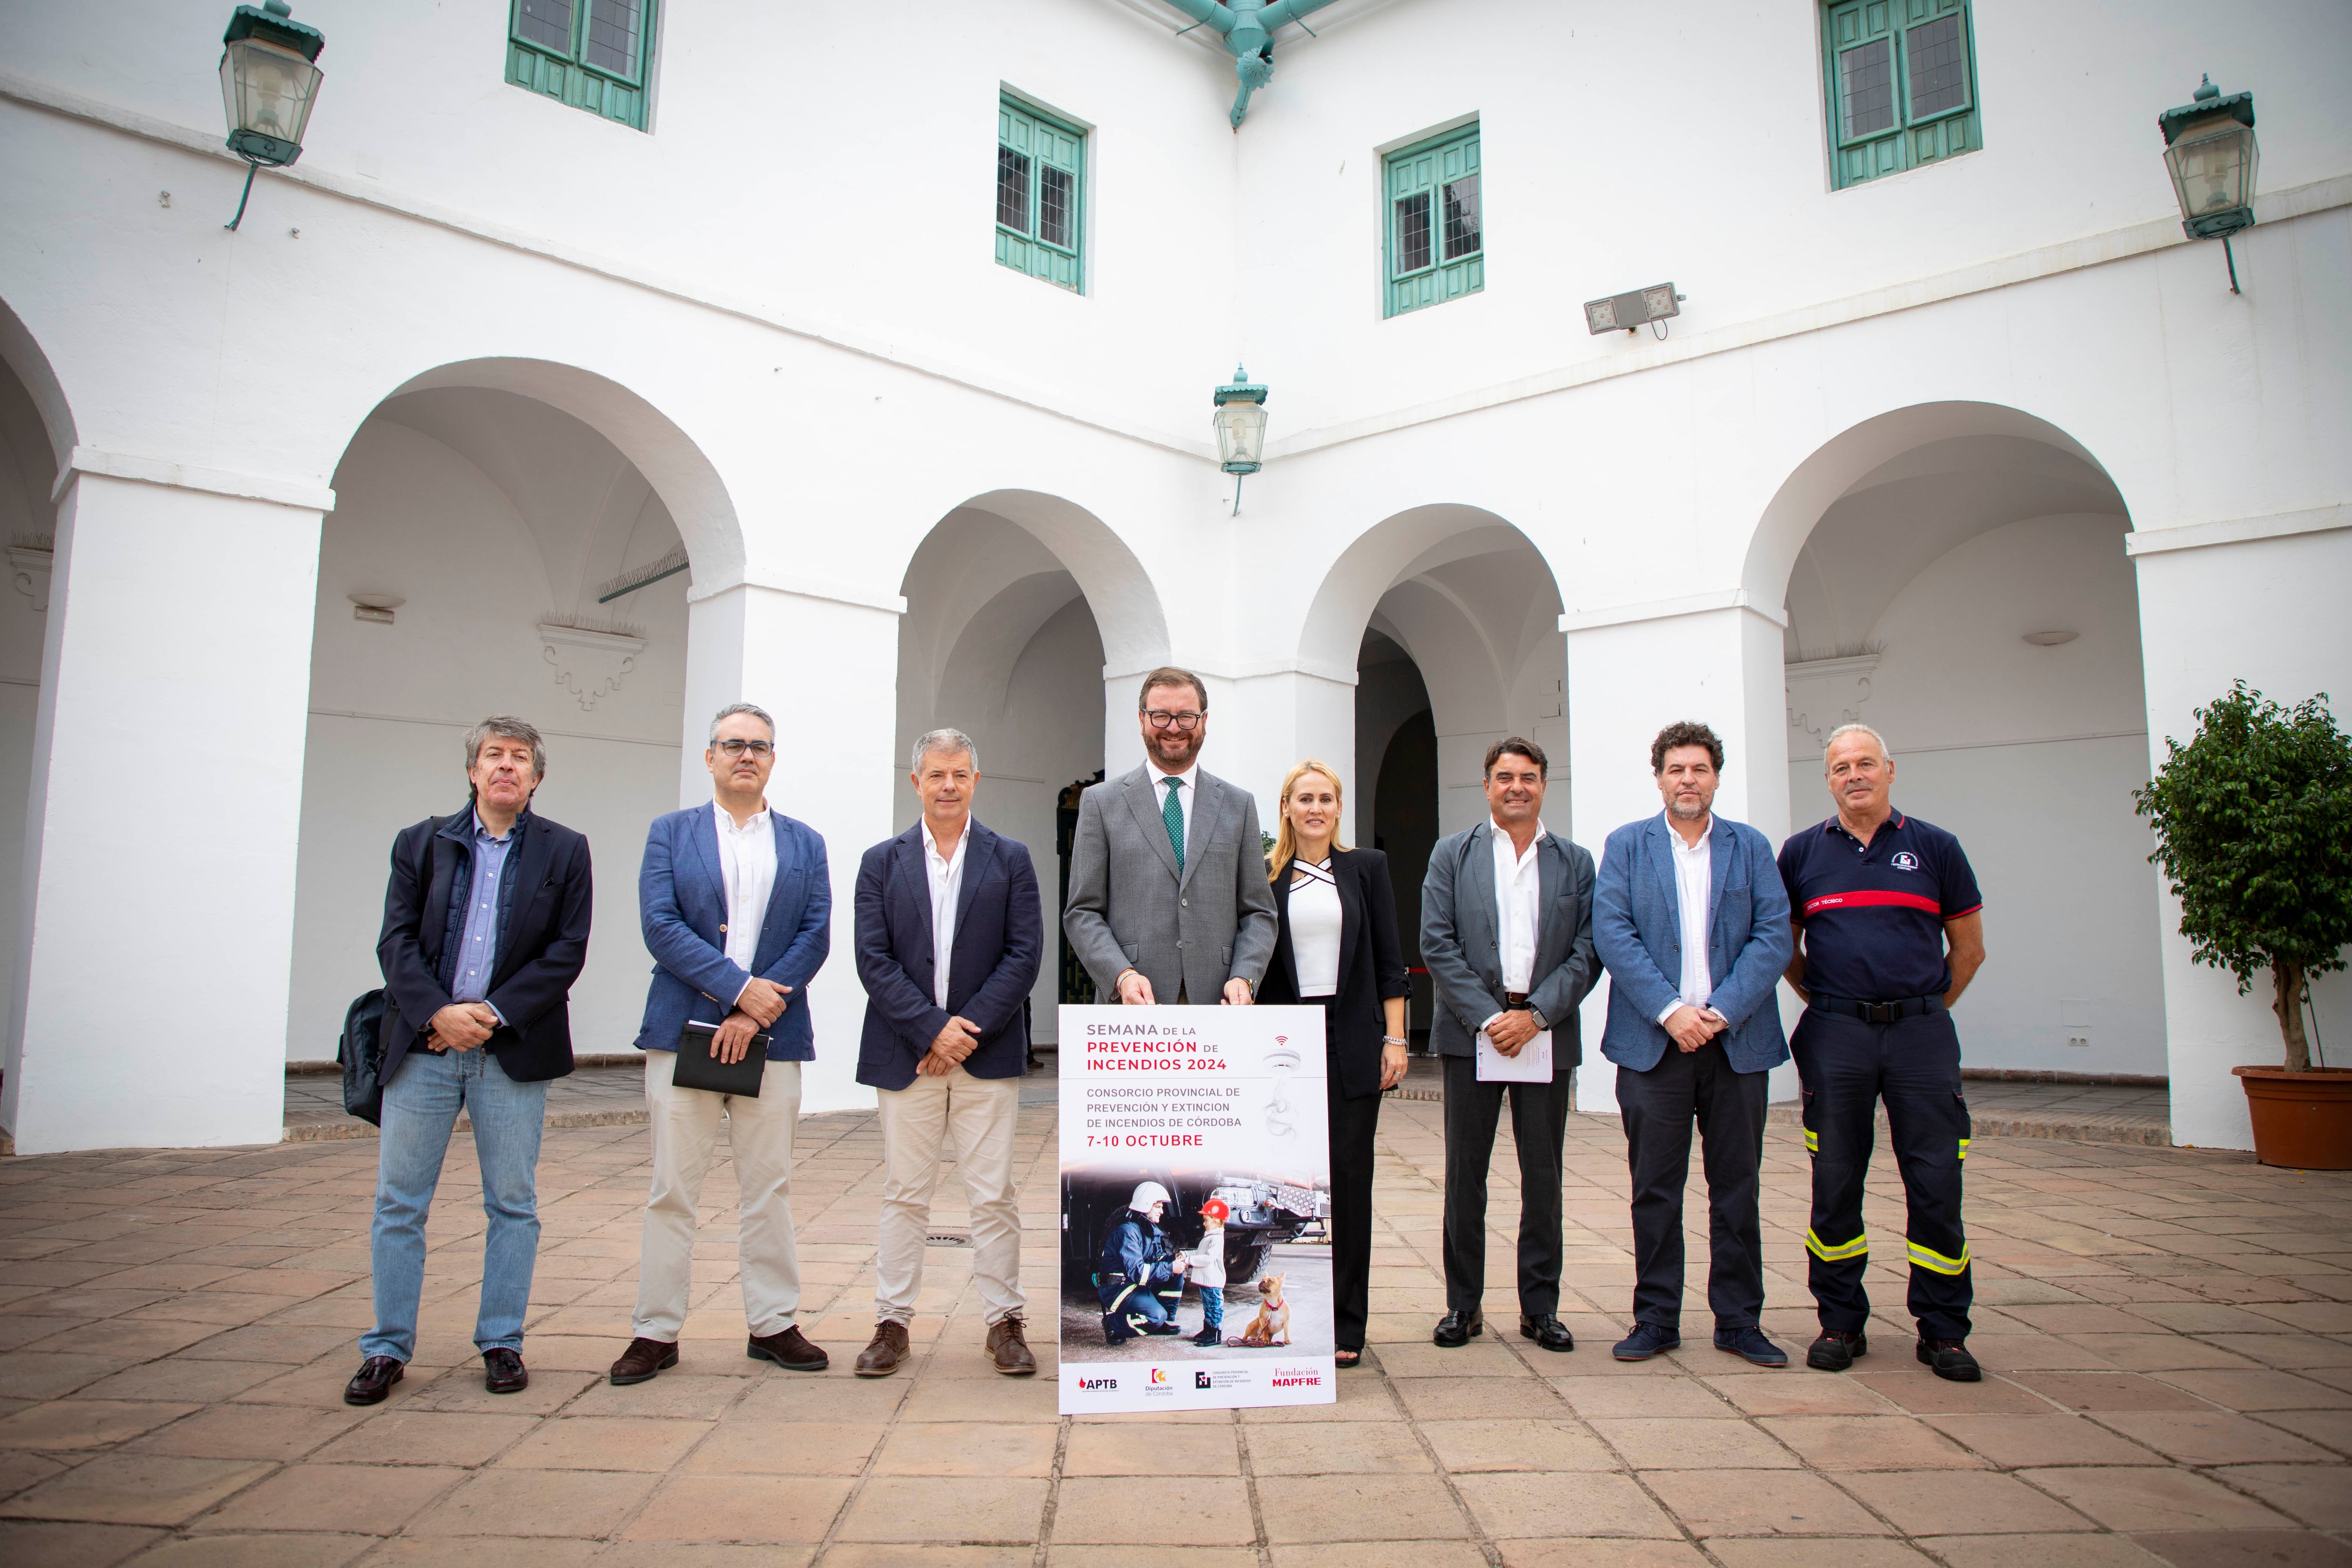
<point x="1196" y="1203"/>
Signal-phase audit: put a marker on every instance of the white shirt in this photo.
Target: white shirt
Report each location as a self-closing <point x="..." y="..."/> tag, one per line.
<point x="1519" y="908"/>
<point x="1187" y="787"/>
<point x="1694" y="886"/>
<point x="1315" y="929"/>
<point x="947" y="890"/>
<point x="747" y="865"/>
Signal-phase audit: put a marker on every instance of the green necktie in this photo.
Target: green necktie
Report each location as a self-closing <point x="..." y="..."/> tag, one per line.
<point x="1172" y="813"/>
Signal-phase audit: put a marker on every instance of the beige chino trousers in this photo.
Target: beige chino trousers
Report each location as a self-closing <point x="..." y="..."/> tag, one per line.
<point x="916" y="1122"/>
<point x="686" y="1137"/>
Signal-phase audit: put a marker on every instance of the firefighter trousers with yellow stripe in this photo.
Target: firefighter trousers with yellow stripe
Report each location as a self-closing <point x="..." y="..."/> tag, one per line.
<point x="1846" y="1066"/>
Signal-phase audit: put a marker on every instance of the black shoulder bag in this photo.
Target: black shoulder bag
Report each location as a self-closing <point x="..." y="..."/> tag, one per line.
<point x="360" y="1052"/>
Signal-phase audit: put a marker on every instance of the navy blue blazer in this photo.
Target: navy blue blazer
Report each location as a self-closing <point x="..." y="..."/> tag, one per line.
<point x="1637" y="930"/>
<point x="1000" y="939"/>
<point x="682" y="905"/>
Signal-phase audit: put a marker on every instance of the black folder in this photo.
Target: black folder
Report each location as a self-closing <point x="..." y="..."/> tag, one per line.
<point x="698" y="1069"/>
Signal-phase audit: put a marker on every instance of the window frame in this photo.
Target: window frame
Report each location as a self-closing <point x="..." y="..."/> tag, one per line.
<point x="1901" y="132"/>
<point x="575" y="59"/>
<point x="1082" y="136"/>
<point x="1467" y="133"/>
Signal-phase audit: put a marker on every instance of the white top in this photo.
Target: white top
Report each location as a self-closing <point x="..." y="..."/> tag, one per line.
<point x="1314" y="928"/>
<point x="747" y="865"/>
<point x="947" y="889"/>
<point x="1208" y="1260"/>
<point x="1187" y="787"/>
<point x="1518" y="909"/>
<point x="1694" y="886"/>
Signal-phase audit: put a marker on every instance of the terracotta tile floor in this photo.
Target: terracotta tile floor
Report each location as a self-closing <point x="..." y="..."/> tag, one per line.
<point x="2169" y="1334"/>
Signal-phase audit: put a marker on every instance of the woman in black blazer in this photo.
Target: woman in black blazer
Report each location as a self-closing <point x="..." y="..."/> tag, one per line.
<point x="1335" y="944"/>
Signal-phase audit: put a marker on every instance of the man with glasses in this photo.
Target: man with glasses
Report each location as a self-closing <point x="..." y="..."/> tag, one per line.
<point x="737" y="907"/>
<point x="1169" y="900"/>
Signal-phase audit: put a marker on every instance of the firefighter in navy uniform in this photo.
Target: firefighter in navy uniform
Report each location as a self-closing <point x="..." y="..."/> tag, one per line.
<point x="1890" y="930"/>
<point x="1140" y="1277"/>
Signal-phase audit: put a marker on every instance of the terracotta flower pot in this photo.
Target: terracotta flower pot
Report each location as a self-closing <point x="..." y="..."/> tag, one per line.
<point x="2303" y="1120"/>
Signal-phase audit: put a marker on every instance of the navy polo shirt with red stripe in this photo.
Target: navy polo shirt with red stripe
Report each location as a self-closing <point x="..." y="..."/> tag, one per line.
<point x="1874" y="914"/>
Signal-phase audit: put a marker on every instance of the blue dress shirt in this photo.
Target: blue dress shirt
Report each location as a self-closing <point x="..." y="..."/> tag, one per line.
<point x="478" y="951"/>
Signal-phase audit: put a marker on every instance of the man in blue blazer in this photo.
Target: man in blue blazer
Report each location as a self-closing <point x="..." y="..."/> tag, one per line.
<point x="949" y="938"/>
<point x="1691" y="921"/>
<point x="737" y="908"/>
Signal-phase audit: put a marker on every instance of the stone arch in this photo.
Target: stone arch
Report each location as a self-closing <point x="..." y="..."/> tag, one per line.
<point x="22" y="353"/>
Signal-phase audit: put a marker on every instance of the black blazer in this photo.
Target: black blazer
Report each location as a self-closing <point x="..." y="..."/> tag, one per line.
<point x="1371" y="964"/>
<point x="1000" y="939"/>
<point x="542" y="942"/>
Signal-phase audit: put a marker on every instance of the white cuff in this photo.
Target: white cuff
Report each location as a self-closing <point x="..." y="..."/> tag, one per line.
<point x="1488" y="1027"/>
<point x="1672" y="1007"/>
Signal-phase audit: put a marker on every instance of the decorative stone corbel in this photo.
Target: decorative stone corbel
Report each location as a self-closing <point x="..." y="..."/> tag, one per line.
<point x="28" y="569"/>
<point x="1822" y="694"/>
<point x="589" y="664"/>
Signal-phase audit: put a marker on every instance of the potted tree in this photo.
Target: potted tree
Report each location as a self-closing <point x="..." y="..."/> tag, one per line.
<point x="2254" y="831"/>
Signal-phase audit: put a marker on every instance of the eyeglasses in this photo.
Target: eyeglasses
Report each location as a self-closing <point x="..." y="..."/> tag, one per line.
<point x="755" y="747"/>
<point x="1183" y="722"/>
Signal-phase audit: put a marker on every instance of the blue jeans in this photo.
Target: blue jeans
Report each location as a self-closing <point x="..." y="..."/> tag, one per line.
<point x="1212" y="1306"/>
<point x="420" y="1111"/>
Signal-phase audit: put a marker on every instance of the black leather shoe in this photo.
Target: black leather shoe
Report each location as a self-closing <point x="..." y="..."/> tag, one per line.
<point x="1646" y="1341"/>
<point x="790" y="1350"/>
<point x="374" y="1380"/>
<point x="1547" y="1332"/>
<point x="1836" y="1351"/>
<point x="1949" y="1360"/>
<point x="502" y="1371"/>
<point x="1456" y="1330"/>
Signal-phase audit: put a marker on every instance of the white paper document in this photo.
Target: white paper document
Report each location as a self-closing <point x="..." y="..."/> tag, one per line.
<point x="1532" y="1065"/>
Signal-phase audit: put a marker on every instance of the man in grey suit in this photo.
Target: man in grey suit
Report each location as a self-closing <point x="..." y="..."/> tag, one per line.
<point x="1507" y="931"/>
<point x="1168" y="899"/>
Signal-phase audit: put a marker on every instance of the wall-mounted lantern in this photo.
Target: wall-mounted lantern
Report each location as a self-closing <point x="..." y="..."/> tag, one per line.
<point x="269" y="79"/>
<point x="2208" y="147"/>
<point x="1624" y="312"/>
<point x="1241" y="429"/>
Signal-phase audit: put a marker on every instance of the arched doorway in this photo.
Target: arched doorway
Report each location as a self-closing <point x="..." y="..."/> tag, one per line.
<point x="1962" y="586"/>
<point x="1026" y="624"/>
<point x="495" y="550"/>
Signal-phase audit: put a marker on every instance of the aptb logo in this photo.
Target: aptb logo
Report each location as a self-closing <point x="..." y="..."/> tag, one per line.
<point x="1097" y="1383"/>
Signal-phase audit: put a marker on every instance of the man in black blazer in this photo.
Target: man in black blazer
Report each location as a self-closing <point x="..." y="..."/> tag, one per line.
<point x="1507" y="931"/>
<point x="485" y="929"/>
<point x="949" y="934"/>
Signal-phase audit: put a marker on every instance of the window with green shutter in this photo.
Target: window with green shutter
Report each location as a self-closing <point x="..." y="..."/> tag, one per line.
<point x="590" y="54"/>
<point x="1041" y="180"/>
<point x="1436" y="238"/>
<point x="1901" y="85"/>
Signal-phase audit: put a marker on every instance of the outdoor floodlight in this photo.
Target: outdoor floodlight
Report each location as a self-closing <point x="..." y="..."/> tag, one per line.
<point x="269" y="79"/>
<point x="1241" y="429"/>
<point x="2209" y="148"/>
<point x="1624" y="312"/>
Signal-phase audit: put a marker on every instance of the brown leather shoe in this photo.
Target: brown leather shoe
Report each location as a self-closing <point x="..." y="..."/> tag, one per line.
<point x="790" y="1350"/>
<point x="1009" y="1350"/>
<point x="503" y="1373"/>
<point x="642" y="1359"/>
<point x="881" y="1358"/>
<point x="373" y="1382"/>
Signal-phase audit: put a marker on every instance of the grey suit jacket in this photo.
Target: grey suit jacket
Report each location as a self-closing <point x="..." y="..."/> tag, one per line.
<point x="1130" y="909"/>
<point x="1460" y="943"/>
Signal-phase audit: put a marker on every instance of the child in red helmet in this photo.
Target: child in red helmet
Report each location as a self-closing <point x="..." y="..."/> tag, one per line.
<point x="1208" y="1272"/>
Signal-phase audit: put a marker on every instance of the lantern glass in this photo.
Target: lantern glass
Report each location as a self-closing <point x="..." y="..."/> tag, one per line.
<point x="2212" y="163"/>
<point x="1241" y="436"/>
<point x="268" y="90"/>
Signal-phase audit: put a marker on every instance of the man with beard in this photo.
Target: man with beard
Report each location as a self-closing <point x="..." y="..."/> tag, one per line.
<point x="1168" y="901"/>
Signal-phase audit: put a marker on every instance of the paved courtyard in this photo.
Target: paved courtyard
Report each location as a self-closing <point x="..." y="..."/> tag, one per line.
<point x="2167" y="1336"/>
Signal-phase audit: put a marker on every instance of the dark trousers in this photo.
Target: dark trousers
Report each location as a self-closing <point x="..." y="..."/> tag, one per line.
<point x="1539" y="1128"/>
<point x="1846" y="1066"/>
<point x="1660" y="1106"/>
<point x="1353" y="1124"/>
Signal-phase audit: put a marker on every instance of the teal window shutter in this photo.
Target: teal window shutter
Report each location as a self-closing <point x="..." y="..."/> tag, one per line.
<point x="590" y="54"/>
<point x="1435" y="222"/>
<point x="1041" y="177"/>
<point x="1901" y="85"/>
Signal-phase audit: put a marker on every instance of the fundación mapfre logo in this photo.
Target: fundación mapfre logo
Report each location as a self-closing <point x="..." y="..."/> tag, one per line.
<point x="1904" y="860"/>
<point x="1296" y="1377"/>
<point x="1097" y="1385"/>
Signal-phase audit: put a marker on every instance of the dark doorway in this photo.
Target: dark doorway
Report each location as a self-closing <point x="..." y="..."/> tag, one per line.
<point x="1077" y="987"/>
<point x="1405" y="826"/>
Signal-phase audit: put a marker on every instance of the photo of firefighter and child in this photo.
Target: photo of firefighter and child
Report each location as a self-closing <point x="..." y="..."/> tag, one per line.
<point x="1169" y="1266"/>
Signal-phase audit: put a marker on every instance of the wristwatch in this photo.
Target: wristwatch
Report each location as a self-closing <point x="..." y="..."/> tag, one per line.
<point x="1542" y="1022"/>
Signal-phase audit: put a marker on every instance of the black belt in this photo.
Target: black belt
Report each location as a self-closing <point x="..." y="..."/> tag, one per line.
<point x="1514" y="1000"/>
<point x="1879" y="1012"/>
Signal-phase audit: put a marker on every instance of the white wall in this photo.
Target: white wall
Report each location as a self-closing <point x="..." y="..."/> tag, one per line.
<point x="27" y="517"/>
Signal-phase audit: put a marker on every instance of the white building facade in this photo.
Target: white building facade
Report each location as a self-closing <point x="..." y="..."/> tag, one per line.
<point x="896" y="331"/>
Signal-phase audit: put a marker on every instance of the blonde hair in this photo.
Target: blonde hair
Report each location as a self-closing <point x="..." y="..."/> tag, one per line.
<point x="1285" y="842"/>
